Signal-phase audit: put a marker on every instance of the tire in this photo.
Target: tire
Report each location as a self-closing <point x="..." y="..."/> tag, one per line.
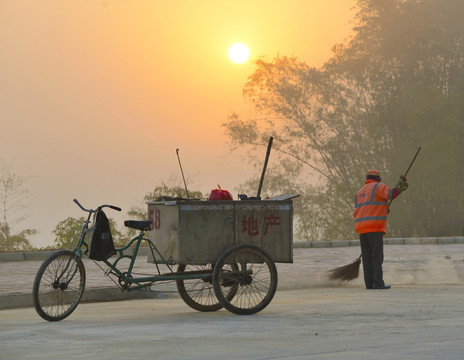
<point x="199" y="293"/>
<point x="255" y="282"/>
<point x="58" y="285"/>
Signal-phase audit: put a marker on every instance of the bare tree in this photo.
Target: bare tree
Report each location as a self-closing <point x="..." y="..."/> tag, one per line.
<point x="13" y="201"/>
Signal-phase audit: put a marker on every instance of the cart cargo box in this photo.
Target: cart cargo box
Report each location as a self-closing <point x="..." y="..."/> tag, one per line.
<point x="198" y="232"/>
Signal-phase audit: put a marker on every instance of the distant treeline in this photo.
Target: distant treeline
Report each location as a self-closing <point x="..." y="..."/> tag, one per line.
<point x="397" y="84"/>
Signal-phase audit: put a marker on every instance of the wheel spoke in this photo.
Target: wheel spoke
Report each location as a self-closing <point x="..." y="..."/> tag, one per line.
<point x="199" y="293"/>
<point x="59" y="285"/>
<point x="255" y="282"/>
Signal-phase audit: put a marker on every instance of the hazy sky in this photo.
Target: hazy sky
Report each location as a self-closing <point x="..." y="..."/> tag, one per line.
<point x="95" y="96"/>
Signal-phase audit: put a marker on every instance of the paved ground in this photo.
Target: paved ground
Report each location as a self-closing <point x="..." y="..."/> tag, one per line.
<point x="421" y="317"/>
<point x="404" y="265"/>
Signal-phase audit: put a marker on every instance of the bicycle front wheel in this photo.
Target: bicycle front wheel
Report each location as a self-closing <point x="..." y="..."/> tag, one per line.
<point x="59" y="285"/>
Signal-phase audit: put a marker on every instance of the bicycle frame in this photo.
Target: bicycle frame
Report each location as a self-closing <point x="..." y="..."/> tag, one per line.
<point x="126" y="281"/>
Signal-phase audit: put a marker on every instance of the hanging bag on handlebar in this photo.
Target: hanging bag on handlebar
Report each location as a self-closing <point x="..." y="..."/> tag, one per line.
<point x="101" y="245"/>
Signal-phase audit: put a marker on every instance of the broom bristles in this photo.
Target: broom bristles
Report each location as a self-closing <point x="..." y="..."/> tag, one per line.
<point x="346" y="273"/>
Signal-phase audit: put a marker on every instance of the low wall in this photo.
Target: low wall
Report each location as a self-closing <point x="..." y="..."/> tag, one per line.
<point x="42" y="255"/>
<point x="386" y="241"/>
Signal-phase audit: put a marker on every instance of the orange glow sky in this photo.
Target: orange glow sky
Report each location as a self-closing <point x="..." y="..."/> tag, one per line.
<point x="95" y="96"/>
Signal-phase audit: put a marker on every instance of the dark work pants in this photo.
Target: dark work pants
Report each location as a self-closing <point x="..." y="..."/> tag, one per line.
<point x="372" y="258"/>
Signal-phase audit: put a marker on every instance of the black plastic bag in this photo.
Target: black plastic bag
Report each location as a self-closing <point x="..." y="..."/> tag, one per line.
<point x="101" y="243"/>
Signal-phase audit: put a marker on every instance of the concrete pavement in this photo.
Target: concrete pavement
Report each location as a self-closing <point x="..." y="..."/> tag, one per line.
<point x="404" y="265"/>
<point x="420" y="318"/>
<point x="329" y="323"/>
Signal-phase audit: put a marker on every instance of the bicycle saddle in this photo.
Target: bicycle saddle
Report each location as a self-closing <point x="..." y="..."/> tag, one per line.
<point x="138" y="225"/>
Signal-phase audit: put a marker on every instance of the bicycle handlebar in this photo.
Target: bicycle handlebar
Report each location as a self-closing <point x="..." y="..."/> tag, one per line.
<point x="112" y="207"/>
<point x="100" y="207"/>
<point x="82" y="208"/>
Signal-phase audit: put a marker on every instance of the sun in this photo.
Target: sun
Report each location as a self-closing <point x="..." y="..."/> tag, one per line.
<point x="239" y="53"/>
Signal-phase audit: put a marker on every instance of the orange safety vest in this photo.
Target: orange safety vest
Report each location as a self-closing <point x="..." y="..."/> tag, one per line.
<point x="371" y="207"/>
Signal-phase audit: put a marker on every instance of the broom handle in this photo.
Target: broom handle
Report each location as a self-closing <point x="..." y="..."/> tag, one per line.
<point x="268" y="152"/>
<point x="412" y="162"/>
<point x="406" y="173"/>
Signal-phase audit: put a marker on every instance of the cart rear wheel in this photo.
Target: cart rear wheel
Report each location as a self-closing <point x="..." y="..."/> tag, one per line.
<point x="198" y="293"/>
<point x="58" y="285"/>
<point x="255" y="282"/>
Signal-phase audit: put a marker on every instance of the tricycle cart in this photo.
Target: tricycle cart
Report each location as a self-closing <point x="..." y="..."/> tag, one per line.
<point x="225" y="252"/>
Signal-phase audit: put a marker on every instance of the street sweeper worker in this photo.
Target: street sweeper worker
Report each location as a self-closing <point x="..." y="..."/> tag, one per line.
<point x="370" y="222"/>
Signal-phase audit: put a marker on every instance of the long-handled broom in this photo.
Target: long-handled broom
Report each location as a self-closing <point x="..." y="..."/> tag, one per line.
<point x="351" y="271"/>
<point x="346" y="273"/>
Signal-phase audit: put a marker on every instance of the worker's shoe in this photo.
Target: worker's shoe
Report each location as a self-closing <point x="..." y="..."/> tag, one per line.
<point x="384" y="287"/>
